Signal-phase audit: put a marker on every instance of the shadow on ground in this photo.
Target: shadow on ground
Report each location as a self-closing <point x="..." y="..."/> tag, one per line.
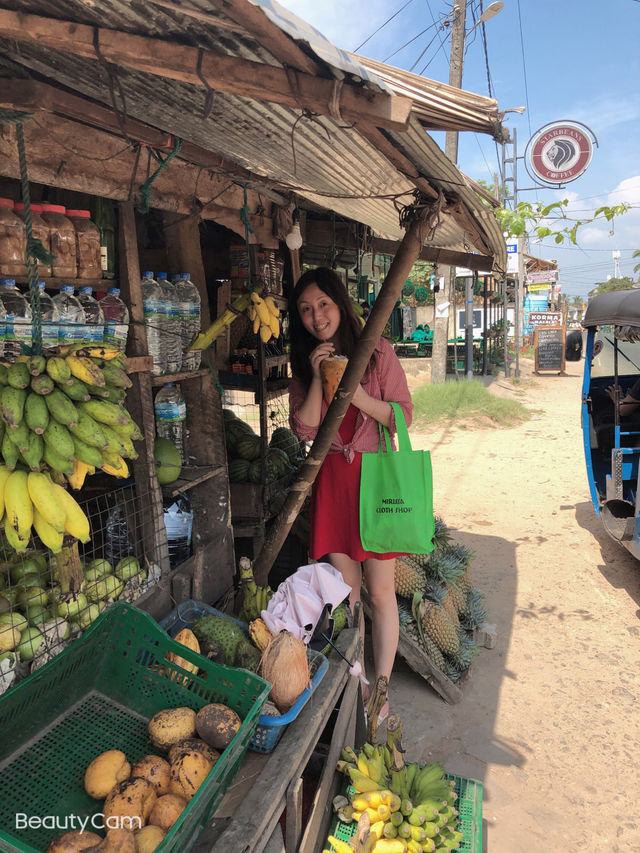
<point x="618" y="566"/>
<point x="463" y="736"/>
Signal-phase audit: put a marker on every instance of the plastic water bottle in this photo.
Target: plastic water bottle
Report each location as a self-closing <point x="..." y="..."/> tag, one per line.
<point x="189" y="299"/>
<point x="172" y="338"/>
<point x="72" y="318"/>
<point x="116" y="542"/>
<point x="171" y="412"/>
<point x="94" y="321"/>
<point x="17" y="321"/>
<point x="116" y="319"/>
<point x="50" y="319"/>
<point x="178" y="520"/>
<point x="155" y="317"/>
<point x="3" y="327"/>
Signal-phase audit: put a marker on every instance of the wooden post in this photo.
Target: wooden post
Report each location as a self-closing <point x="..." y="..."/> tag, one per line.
<point x="404" y="259"/>
<point x="139" y="397"/>
<point x="182" y="236"/>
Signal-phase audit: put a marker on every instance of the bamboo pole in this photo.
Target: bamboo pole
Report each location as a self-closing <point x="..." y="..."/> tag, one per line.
<point x="407" y="254"/>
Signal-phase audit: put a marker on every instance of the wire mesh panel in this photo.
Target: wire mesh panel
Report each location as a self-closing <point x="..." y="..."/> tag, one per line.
<point x="119" y="562"/>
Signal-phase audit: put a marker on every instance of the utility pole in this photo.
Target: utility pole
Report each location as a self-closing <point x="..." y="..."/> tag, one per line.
<point x="446" y="294"/>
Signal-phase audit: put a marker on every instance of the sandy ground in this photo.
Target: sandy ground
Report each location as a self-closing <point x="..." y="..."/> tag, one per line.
<point x="548" y="721"/>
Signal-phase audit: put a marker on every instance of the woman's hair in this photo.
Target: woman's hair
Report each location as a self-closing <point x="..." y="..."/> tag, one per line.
<point x="302" y="341"/>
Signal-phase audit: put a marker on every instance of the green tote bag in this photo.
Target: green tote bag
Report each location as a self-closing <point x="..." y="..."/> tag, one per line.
<point x="396" y="495"/>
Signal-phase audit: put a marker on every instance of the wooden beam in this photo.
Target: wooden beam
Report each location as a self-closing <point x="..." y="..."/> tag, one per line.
<point x="396" y="158"/>
<point x="249" y="18"/>
<point x="446" y="257"/>
<point x="224" y="73"/>
<point x="33" y="96"/>
<point x="56" y="157"/>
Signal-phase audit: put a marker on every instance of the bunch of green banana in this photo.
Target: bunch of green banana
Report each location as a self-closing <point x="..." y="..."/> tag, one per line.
<point x="65" y="414"/>
<point x="412" y="812"/>
<point x="32" y="499"/>
<point x="253" y="599"/>
<point x="265" y="316"/>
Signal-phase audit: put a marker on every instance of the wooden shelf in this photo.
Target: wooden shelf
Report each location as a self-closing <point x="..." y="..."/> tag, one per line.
<point x="192" y="476"/>
<point x="179" y="377"/>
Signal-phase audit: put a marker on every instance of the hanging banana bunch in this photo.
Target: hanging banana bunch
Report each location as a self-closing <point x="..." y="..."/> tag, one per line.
<point x="265" y="316"/>
<point x="65" y="414"/>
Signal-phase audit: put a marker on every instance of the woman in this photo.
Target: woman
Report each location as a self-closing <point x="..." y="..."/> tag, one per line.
<point x="323" y="323"/>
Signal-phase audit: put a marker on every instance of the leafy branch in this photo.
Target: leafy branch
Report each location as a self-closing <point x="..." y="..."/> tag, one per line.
<point x="540" y="220"/>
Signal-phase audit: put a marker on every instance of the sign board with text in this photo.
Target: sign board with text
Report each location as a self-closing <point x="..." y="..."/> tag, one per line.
<point x="545" y="318"/>
<point x="549" y="352"/>
<point x="546" y="277"/>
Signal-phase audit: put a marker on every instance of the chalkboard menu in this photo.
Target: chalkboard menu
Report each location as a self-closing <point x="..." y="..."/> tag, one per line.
<point x="549" y="348"/>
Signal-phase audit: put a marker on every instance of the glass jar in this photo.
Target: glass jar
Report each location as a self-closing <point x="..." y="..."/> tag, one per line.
<point x="87" y="244"/>
<point x="13" y="241"/>
<point x="63" y="241"/>
<point x="39" y="230"/>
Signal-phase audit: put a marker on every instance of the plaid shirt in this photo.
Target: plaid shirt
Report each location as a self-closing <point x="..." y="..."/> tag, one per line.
<point x="386" y="382"/>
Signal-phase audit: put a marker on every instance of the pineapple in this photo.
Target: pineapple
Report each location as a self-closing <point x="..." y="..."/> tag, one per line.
<point x="476" y="613"/>
<point x="458" y="598"/>
<point x="467" y="650"/>
<point x="445" y="568"/>
<point x="442" y="536"/>
<point x="440" y="595"/>
<point x="437" y="623"/>
<point x="409" y="626"/>
<point x="408" y="577"/>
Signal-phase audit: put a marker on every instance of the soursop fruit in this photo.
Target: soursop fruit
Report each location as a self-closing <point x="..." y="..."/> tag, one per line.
<point x="219" y="631"/>
<point x="247" y="656"/>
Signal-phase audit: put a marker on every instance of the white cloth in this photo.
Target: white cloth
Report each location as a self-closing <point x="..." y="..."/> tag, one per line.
<point x="298" y="602"/>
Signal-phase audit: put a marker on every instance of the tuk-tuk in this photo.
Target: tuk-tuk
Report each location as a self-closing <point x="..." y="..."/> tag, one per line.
<point x="611" y="433"/>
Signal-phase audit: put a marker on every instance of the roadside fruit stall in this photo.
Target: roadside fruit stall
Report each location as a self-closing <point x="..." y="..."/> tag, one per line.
<point x="134" y="473"/>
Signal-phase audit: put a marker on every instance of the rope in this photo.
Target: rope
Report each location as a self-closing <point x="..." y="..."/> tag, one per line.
<point x="35" y="250"/>
<point x="145" y="189"/>
<point x="244" y="216"/>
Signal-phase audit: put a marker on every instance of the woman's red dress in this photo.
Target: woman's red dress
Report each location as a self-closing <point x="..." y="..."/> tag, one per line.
<point x="335" y="503"/>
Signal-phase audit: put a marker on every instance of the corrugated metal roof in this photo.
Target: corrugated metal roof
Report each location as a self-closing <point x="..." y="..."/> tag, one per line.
<point x="318" y="158"/>
<point x="439" y="106"/>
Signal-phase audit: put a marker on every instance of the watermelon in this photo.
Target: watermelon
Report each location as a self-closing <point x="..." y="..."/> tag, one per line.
<point x="255" y="472"/>
<point x="248" y="446"/>
<point x="280" y="460"/>
<point x="238" y="470"/>
<point x="285" y="439"/>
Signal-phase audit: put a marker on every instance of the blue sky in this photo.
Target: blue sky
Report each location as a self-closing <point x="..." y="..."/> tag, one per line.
<point x="577" y="60"/>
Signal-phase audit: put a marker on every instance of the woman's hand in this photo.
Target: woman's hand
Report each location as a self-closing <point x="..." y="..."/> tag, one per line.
<point x="611" y="391"/>
<point x="322" y="351"/>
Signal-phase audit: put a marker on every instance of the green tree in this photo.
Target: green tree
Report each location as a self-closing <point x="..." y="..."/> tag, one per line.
<point x="636" y="254"/>
<point x="625" y="283"/>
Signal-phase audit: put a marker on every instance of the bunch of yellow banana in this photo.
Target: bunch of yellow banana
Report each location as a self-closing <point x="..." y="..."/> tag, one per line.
<point x="65" y="413"/>
<point x="407" y="813"/>
<point x="32" y="499"/>
<point x="265" y="316"/>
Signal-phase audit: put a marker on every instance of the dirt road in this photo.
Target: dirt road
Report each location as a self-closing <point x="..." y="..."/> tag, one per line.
<point x="549" y="719"/>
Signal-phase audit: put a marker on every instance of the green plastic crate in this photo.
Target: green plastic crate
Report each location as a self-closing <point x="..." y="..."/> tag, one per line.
<point x="99" y="694"/>
<point x="469" y="805"/>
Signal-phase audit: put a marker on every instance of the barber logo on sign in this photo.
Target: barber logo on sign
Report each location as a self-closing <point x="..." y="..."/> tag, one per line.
<point x="560" y="152"/>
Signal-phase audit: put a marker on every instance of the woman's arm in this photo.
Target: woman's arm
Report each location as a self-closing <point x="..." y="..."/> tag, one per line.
<point x="379" y="410"/>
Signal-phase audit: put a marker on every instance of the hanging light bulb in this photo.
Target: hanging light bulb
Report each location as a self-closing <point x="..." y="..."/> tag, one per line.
<point x="294" y="237"/>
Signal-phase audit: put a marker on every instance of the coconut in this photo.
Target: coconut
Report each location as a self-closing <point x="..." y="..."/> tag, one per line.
<point x="284" y="664"/>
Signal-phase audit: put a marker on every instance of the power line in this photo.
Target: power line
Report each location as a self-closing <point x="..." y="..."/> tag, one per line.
<point x="442" y="43"/>
<point x="524" y="70"/>
<point x="395" y="14"/>
<point x="407" y="43"/>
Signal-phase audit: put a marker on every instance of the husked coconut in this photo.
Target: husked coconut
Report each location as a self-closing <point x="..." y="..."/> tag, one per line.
<point x="284" y="663"/>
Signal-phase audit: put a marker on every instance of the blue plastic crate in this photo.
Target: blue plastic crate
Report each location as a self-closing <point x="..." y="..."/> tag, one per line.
<point x="269" y="729"/>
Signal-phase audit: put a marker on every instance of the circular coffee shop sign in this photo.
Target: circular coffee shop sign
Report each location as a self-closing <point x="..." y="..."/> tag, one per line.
<point x="560" y="152"/>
